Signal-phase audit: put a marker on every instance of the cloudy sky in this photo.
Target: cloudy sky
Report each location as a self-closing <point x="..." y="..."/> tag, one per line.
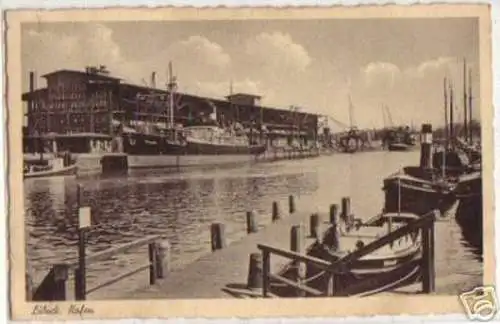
<point x="314" y="64"/>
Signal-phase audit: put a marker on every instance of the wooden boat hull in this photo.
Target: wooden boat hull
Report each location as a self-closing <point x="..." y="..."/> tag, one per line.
<point x="66" y="171"/>
<point x="382" y="270"/>
<point x="469" y="215"/>
<point x="413" y="195"/>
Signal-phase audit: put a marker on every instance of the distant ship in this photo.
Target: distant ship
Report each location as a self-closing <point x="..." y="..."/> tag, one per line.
<point x="199" y="145"/>
<point x="400" y="139"/>
<point x="204" y="143"/>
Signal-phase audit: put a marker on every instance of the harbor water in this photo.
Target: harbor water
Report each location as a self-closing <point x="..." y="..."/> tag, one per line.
<point x="182" y="206"/>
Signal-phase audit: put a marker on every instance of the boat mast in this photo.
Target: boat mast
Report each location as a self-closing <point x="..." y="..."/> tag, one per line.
<point x="452" y="133"/>
<point x="445" y="144"/>
<point x="470" y="107"/>
<point x="171" y="90"/>
<point x="465" y="101"/>
<point x="350" y="112"/>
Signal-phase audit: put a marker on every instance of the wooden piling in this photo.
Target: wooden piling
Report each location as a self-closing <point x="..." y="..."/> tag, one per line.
<point x="314" y="225"/>
<point x="297" y="245"/>
<point x="162" y="259"/>
<point x="291" y="204"/>
<point x="334" y="208"/>
<point x="255" y="271"/>
<point x="53" y="286"/>
<point x="346" y="209"/>
<point x="152" y="254"/>
<point x="276" y="211"/>
<point x="80" y="272"/>
<point x="427" y="263"/>
<point x="218" y="241"/>
<point x="251" y="222"/>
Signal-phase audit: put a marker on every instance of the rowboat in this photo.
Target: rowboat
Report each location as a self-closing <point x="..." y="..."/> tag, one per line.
<point x="53" y="168"/>
<point x="384" y="269"/>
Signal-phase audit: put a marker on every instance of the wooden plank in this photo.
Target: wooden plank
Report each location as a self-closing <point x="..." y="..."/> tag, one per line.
<point x="296" y="285"/>
<point x="321" y="264"/>
<point x="108" y="253"/>
<point x="119" y="277"/>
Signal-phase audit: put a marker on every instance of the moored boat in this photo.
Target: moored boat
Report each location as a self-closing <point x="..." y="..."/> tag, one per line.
<point x="384" y="269"/>
<point x="51" y="168"/>
<point x="411" y="191"/>
<point x="469" y="214"/>
<point x="195" y="146"/>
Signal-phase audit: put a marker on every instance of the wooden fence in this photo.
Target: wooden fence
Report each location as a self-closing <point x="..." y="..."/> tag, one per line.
<point x="55" y="284"/>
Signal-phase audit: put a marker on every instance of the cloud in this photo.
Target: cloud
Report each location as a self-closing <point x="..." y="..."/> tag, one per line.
<point x="381" y="74"/>
<point x="414" y="93"/>
<point x="198" y="50"/>
<point x="49" y="50"/>
<point x="194" y="58"/>
<point x="277" y="53"/>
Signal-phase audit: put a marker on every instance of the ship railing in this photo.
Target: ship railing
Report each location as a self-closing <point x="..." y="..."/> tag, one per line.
<point x="332" y="271"/>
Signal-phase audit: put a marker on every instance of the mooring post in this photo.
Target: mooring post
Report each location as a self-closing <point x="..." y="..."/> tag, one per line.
<point x="266" y="270"/>
<point x="427" y="264"/>
<point x="314" y="225"/>
<point x="334" y="208"/>
<point x="291" y="204"/>
<point x="346" y="209"/>
<point x="255" y="271"/>
<point x="217" y="231"/>
<point x="297" y="245"/>
<point x="330" y="284"/>
<point x="251" y="222"/>
<point x="60" y="277"/>
<point x="426" y="147"/>
<point x="276" y="211"/>
<point x="153" y="262"/>
<point x="84" y="222"/>
<point x="162" y="259"/>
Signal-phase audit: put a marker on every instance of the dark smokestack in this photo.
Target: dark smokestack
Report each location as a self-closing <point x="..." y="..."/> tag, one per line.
<point x="426" y="147"/>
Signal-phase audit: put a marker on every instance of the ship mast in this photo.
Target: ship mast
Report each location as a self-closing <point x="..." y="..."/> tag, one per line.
<point x="446" y="135"/>
<point x="446" y="130"/>
<point x="452" y="133"/>
<point x="171" y="86"/>
<point x="350" y="113"/>
<point x="470" y="107"/>
<point x="465" y="101"/>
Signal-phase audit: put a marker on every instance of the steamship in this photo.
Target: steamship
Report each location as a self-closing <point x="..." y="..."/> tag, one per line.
<point x="203" y="143"/>
<point x="206" y="144"/>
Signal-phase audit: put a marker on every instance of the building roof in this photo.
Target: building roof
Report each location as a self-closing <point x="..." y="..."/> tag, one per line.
<point x="93" y="75"/>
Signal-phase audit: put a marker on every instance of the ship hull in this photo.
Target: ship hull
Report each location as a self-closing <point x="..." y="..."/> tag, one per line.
<point x="469" y="214"/>
<point x="65" y="171"/>
<point x="413" y="195"/>
<point x="148" y="151"/>
<point x="187" y="161"/>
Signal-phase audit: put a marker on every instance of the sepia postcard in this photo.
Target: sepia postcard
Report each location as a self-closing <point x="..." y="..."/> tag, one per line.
<point x="250" y="162"/>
